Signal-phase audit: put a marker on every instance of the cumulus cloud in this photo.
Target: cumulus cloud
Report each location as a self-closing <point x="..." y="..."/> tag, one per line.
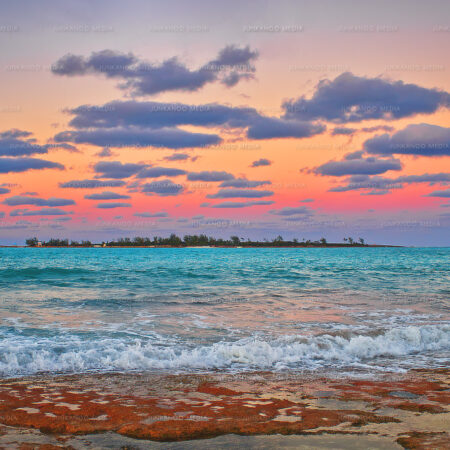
<point x="113" y="205"/>
<point x="349" y="98"/>
<point x="162" y="188"/>
<point x="115" y="169"/>
<point x="240" y="193"/>
<point x="4" y="190"/>
<point x="261" y="162"/>
<point x="91" y="184"/>
<point x="242" y="204"/>
<point x="39" y="212"/>
<point x="154" y="115"/>
<point x="106" y="195"/>
<point x="19" y="143"/>
<point x="419" y="139"/>
<point x="209" y="176"/>
<point x="134" y="137"/>
<point x="444" y="193"/>
<point x="357" y="165"/>
<point x="26" y="200"/>
<point x="138" y="123"/>
<point x="155" y="172"/>
<point x="8" y="165"/>
<point x="141" y="77"/>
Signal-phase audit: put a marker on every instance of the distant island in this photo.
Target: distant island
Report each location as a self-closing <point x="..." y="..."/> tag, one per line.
<point x="200" y="240"/>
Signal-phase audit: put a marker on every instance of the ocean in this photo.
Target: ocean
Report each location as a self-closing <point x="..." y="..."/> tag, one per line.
<point x="178" y="310"/>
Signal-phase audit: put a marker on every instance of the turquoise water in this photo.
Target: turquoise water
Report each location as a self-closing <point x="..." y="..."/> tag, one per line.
<point x="359" y="309"/>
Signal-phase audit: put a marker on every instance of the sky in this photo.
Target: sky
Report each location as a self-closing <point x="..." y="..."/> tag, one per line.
<point x="257" y="119"/>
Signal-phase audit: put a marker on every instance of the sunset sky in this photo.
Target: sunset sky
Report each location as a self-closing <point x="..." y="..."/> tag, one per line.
<point x="295" y="118"/>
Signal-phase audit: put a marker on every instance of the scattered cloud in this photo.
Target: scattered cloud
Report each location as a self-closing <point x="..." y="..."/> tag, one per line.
<point x="148" y="214"/>
<point x="162" y="188"/>
<point x="261" y="162"/>
<point x="91" y="184"/>
<point x="243" y="183"/>
<point x="8" y="165"/>
<point x="350" y="98"/>
<point x="419" y="139"/>
<point x="106" y="195"/>
<point x="155" y="172"/>
<point x="242" y="204"/>
<point x="36" y="201"/>
<point x="141" y="77"/>
<point x="210" y="176"/>
<point x="39" y="212"/>
<point x="292" y="211"/>
<point x="113" y="205"/>
<point x="240" y="193"/>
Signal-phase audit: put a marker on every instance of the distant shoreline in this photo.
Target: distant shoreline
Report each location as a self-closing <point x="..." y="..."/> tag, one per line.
<point x="213" y="246"/>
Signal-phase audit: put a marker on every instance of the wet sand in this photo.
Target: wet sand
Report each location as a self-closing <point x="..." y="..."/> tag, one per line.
<point x="252" y="410"/>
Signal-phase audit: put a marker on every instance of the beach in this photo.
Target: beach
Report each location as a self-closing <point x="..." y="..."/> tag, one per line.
<point x="251" y="410"/>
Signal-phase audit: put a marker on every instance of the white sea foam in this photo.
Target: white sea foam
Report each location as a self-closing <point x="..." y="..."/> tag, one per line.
<point x="20" y="355"/>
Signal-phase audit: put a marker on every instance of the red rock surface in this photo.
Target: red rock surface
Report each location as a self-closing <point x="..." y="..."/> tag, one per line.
<point x="175" y="408"/>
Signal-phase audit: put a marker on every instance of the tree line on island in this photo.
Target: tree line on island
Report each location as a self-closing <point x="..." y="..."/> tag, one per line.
<point x="195" y="240"/>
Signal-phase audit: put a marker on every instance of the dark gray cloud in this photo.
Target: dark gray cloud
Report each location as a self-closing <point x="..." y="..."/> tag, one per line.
<point x="358" y="166"/>
<point x="115" y="169"/>
<point x="134" y="137"/>
<point x="306" y="200"/>
<point x="444" y="193"/>
<point x="292" y="211"/>
<point x="141" y="77"/>
<point x="19" y="143"/>
<point x="210" y="176"/>
<point x="104" y="153"/>
<point x="349" y="98"/>
<point x="4" y="190"/>
<point x="162" y="188"/>
<point x="351" y="131"/>
<point x="113" y="205"/>
<point x="419" y="139"/>
<point x="39" y="212"/>
<point x="148" y="214"/>
<point x="243" y="183"/>
<point x="8" y="165"/>
<point x="343" y="131"/>
<point x="242" y="204"/>
<point x="155" y="115"/>
<point x="240" y="193"/>
<point x="36" y="201"/>
<point x="177" y="157"/>
<point x="154" y="123"/>
<point x="261" y="162"/>
<point x="155" y="172"/>
<point x="106" y="196"/>
<point x="382" y="184"/>
<point x="272" y="128"/>
<point x="92" y="184"/>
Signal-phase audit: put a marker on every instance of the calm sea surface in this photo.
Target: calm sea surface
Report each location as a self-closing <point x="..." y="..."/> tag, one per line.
<point x="186" y="310"/>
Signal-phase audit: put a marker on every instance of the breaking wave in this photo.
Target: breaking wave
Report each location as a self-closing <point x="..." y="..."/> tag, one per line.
<point x="25" y="355"/>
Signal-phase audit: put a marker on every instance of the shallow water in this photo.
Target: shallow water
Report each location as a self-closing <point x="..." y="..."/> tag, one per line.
<point x="358" y="309"/>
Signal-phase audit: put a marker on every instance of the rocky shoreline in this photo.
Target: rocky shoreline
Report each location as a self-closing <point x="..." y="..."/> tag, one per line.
<point x="135" y="410"/>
